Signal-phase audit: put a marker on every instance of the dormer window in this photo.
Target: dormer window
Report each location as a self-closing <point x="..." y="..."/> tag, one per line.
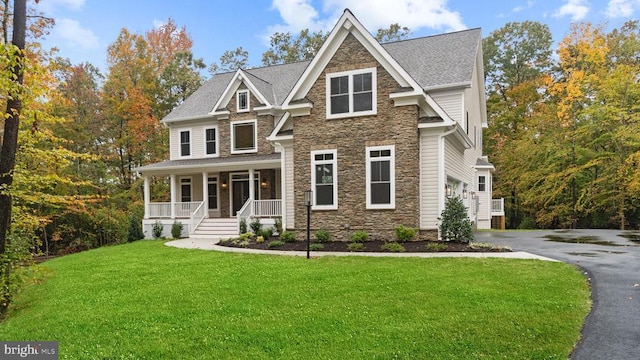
<point x="351" y="93"/>
<point x="242" y="100"/>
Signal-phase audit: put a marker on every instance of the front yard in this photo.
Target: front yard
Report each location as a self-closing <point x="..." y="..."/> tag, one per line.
<point x="147" y="300"/>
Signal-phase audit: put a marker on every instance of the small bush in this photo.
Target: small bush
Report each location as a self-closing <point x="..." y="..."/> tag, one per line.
<point x="435" y="247"/>
<point x="322" y="236"/>
<point x="404" y="234"/>
<point x="355" y="246"/>
<point x="244" y="243"/>
<point x="259" y="239"/>
<point x="265" y="233"/>
<point x="288" y="236"/>
<point x="246" y="236"/>
<point x="157" y="229"/>
<point x="359" y="236"/>
<point x="455" y="224"/>
<point x="316" y="247"/>
<point x="243" y="226"/>
<point x="393" y="247"/>
<point x="275" y="243"/>
<point x="527" y="223"/>
<point x="176" y="230"/>
<point x="256" y="225"/>
<point x="135" y="228"/>
<point x="278" y="225"/>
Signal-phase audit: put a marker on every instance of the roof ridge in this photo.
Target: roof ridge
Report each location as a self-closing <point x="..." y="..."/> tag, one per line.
<point x="431" y="36"/>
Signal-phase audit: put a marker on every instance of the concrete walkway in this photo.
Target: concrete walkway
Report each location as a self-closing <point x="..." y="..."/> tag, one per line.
<point x="210" y="244"/>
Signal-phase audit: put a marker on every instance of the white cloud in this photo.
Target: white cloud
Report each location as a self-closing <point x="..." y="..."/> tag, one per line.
<point x="577" y="9"/>
<point x="622" y="8"/>
<point x="71" y="31"/>
<point x="374" y="14"/>
<point x="528" y="6"/>
<point x="157" y="24"/>
<point x="49" y="6"/>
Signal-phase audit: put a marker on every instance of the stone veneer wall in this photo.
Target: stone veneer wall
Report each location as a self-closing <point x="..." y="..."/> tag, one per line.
<point x="350" y="136"/>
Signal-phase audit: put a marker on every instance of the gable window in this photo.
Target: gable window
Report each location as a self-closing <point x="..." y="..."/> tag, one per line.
<point x="324" y="164"/>
<point x="381" y="177"/>
<point x="212" y="190"/>
<point x="185" y="189"/>
<point x="211" y="141"/>
<point x="482" y="183"/>
<point x="351" y="93"/>
<point x="244" y="137"/>
<point x="242" y="100"/>
<point x="185" y="143"/>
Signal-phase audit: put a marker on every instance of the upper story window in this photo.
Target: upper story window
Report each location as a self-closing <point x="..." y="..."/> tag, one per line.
<point x="242" y="100"/>
<point x="211" y="141"/>
<point x="482" y="183"/>
<point x="185" y="143"/>
<point x="351" y="93"/>
<point x="324" y="182"/>
<point x="381" y="182"/>
<point x="244" y="137"/>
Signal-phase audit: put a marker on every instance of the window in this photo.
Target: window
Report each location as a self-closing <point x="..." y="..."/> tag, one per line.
<point x="381" y="177"/>
<point x="210" y="141"/>
<point x="324" y="183"/>
<point x="242" y="100"/>
<point x="244" y="137"/>
<point x="212" y="190"/>
<point x="185" y="189"/>
<point x="482" y="183"/>
<point x="185" y="143"/>
<point x="351" y="93"/>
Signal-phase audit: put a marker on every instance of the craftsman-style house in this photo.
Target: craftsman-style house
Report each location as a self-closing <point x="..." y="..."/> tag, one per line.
<point x="380" y="133"/>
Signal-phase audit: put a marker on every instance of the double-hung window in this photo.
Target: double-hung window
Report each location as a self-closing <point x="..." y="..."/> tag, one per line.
<point x="351" y="93"/>
<point x="482" y="183"/>
<point x="185" y="143"/>
<point x="244" y="137"/>
<point x="242" y="100"/>
<point x="381" y="182"/>
<point x="324" y="183"/>
<point x="211" y="141"/>
<point x="185" y="189"/>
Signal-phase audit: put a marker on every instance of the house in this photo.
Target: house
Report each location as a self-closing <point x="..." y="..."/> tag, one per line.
<point x="380" y="133"/>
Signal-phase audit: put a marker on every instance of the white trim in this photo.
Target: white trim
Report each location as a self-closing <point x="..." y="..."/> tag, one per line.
<point x="190" y="132"/>
<point x="204" y="135"/>
<point x="239" y="77"/>
<point x="392" y="175"/>
<point x="248" y="94"/>
<point x="334" y="179"/>
<point x="350" y="93"/>
<point x="233" y="138"/>
<point x="190" y="178"/>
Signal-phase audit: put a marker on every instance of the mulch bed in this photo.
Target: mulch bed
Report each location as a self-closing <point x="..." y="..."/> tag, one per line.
<point x="369" y="246"/>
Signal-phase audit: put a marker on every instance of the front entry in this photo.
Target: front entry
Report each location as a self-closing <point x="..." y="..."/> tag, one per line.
<point x="240" y="190"/>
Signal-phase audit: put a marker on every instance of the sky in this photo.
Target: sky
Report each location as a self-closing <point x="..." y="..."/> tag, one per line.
<point x="85" y="28"/>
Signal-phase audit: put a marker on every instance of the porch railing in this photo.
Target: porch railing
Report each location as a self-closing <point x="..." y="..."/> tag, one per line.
<point x="244" y="213"/>
<point x="259" y="209"/>
<point x="163" y="210"/>
<point x="196" y="218"/>
<point x="497" y="207"/>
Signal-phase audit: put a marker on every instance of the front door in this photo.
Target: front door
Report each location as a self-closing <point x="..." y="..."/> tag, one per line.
<point x="240" y="190"/>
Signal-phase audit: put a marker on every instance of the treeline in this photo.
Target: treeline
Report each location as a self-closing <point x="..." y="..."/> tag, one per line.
<point x="564" y="130"/>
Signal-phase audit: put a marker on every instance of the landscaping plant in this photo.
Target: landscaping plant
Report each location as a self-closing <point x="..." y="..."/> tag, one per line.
<point x="455" y="224"/>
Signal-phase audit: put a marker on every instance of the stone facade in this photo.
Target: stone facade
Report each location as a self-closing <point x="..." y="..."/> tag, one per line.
<point x="390" y="126"/>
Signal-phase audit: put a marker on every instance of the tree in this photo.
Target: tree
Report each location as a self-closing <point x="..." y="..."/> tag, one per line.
<point x="286" y="48"/>
<point x="231" y="60"/>
<point x="455" y="224"/>
<point x="395" y="32"/>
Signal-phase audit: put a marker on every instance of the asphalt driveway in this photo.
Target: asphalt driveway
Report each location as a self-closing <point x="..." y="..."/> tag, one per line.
<point x="611" y="259"/>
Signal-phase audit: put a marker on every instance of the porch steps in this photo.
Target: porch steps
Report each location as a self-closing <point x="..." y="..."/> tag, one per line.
<point x="216" y="229"/>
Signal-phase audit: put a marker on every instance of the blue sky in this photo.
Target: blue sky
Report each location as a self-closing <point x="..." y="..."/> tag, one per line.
<point x="84" y="28"/>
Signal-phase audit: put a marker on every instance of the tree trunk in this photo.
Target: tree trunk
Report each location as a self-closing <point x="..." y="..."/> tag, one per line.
<point x="10" y="141"/>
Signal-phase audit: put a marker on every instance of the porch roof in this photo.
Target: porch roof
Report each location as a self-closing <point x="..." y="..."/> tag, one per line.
<point x="234" y="163"/>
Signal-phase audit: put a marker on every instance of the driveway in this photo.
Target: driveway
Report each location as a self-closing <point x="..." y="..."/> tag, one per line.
<point x="612" y="260"/>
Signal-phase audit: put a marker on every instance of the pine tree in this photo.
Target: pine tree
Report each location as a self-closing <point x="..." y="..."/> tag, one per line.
<point x="455" y="224"/>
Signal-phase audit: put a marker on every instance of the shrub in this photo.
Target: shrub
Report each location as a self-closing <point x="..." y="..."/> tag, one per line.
<point x="316" y="247"/>
<point x="244" y="243"/>
<point x="288" y="236"/>
<point x="393" y="247"/>
<point x="265" y="233"/>
<point x="454" y="221"/>
<point x="256" y="226"/>
<point x="322" y="236"/>
<point x="435" y="247"/>
<point x="275" y="243"/>
<point x="355" y="246"/>
<point x="359" y="236"/>
<point x="135" y="228"/>
<point x="527" y="223"/>
<point x="246" y="236"/>
<point x="157" y="229"/>
<point x="260" y="239"/>
<point x="176" y="230"/>
<point x="243" y="226"/>
<point x="404" y="234"/>
<point x="278" y="225"/>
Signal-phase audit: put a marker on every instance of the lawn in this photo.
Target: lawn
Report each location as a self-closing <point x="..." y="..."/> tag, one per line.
<point x="148" y="301"/>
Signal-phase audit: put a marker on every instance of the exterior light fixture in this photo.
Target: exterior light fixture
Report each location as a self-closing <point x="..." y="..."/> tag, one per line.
<point x="464" y="193"/>
<point x="264" y="183"/>
<point x="448" y="190"/>
<point x="224" y="184"/>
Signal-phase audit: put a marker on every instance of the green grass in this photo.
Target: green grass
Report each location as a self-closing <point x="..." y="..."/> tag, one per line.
<point x="148" y="301"/>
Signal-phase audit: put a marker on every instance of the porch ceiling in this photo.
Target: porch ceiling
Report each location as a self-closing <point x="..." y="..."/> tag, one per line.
<point x="235" y="163"/>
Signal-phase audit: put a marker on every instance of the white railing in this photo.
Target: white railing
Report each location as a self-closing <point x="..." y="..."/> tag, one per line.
<point x="244" y="213"/>
<point x="159" y="210"/>
<point x="197" y="216"/>
<point x="497" y="207"/>
<point x="185" y="209"/>
<point x="267" y="208"/>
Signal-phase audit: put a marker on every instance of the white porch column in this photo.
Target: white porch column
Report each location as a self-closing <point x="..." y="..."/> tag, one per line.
<point x="173" y="196"/>
<point x="205" y="193"/>
<point x="283" y="185"/>
<point x="252" y="185"/>
<point x="147" y="196"/>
